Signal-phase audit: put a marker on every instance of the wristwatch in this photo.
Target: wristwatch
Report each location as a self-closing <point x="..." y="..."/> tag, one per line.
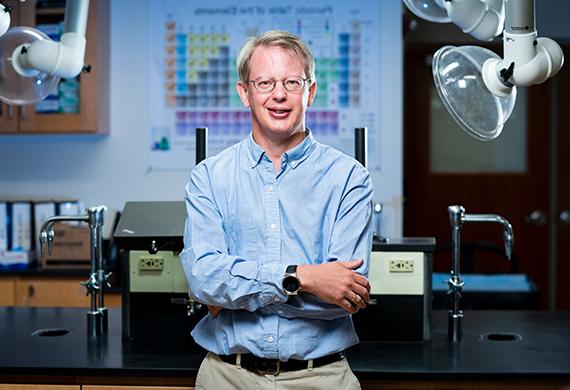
<point x="291" y="283"/>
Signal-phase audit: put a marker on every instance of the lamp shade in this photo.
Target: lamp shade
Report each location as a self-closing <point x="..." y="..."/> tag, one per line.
<point x="457" y="74"/>
<point x="16" y="88"/>
<point x="428" y="10"/>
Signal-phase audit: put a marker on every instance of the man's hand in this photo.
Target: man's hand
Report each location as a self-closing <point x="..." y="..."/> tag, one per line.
<point x="336" y="283"/>
<point x="214" y="310"/>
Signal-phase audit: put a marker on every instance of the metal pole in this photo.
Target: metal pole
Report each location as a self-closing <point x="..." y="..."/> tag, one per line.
<point x="553" y="201"/>
<point x="201" y="143"/>
<point x="361" y="145"/>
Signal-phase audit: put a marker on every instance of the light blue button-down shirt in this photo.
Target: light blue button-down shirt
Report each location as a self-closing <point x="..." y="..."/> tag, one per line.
<point x="247" y="222"/>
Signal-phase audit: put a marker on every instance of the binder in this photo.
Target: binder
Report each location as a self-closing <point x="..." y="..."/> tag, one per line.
<point x="21" y="232"/>
<point x="3" y="226"/>
<point x="14" y="260"/>
<point x="70" y="207"/>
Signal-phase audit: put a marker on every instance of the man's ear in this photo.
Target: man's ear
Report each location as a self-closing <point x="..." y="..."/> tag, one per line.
<point x="243" y="94"/>
<point x="312" y="93"/>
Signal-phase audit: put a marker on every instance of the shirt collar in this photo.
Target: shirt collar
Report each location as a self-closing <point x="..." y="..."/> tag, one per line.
<point x="254" y="150"/>
<point x="294" y="156"/>
<point x="300" y="152"/>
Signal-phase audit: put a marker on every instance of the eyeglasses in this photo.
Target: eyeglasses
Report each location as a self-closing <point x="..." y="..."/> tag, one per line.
<point x="291" y="84"/>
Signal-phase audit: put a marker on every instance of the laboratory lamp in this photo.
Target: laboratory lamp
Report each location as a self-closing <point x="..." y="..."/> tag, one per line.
<point x="483" y="19"/>
<point x="31" y="64"/>
<point x="4" y="18"/>
<point x="478" y="87"/>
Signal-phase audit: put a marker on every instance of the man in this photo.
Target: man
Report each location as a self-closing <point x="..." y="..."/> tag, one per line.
<point x="278" y="237"/>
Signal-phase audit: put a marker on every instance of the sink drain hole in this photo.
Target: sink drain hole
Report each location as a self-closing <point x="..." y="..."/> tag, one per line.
<point x="501" y="336"/>
<point x="50" y="332"/>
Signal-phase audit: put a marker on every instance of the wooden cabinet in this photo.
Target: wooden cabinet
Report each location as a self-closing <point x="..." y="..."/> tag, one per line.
<point x="8" y="118"/>
<point x="91" y="101"/>
<point x="44" y="291"/>
<point x="39" y="387"/>
<point x="7" y="293"/>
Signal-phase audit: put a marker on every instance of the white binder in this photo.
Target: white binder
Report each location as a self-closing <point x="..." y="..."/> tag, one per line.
<point x="21" y="226"/>
<point x="3" y="226"/>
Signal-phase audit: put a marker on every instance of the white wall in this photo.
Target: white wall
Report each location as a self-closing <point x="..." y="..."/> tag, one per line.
<point x="113" y="169"/>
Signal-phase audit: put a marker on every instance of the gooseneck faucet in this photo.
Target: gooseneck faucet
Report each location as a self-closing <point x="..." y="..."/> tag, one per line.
<point x="457" y="217"/>
<point x="97" y="317"/>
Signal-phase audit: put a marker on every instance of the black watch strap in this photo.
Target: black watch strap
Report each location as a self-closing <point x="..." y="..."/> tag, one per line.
<point x="291" y="269"/>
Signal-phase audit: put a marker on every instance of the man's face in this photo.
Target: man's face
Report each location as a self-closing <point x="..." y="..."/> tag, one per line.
<point x="279" y="113"/>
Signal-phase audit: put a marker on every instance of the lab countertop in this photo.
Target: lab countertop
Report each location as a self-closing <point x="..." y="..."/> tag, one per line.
<point x="540" y="350"/>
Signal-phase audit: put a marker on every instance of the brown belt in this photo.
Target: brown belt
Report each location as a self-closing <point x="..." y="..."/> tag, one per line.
<point x="274" y="366"/>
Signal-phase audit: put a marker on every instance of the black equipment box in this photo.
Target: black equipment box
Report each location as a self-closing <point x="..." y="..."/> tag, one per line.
<point x="156" y="305"/>
<point x="400" y="276"/>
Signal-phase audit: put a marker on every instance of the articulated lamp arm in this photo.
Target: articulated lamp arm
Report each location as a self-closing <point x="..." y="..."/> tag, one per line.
<point x="468" y="74"/>
<point x="5" y="11"/>
<point x="528" y="60"/>
<point x="64" y="58"/>
<point x="482" y="19"/>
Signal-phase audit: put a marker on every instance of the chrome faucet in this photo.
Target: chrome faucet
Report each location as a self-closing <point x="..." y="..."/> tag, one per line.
<point x="457" y="218"/>
<point x="97" y="316"/>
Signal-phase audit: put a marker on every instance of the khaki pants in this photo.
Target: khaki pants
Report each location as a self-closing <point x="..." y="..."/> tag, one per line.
<point x="214" y="374"/>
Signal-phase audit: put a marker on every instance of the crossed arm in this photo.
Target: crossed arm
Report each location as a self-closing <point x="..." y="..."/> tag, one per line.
<point x="333" y="288"/>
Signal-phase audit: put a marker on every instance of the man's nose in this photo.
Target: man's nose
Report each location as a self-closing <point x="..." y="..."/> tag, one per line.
<point x="279" y="93"/>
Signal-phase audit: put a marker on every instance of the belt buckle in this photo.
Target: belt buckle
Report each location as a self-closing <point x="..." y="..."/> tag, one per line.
<point x="270" y="367"/>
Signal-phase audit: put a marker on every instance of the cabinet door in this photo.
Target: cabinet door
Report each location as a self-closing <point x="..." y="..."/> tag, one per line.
<point x="9" y="114"/>
<point x="86" y="119"/>
<point x="56" y="292"/>
<point x="8" y="118"/>
<point x="7" y="287"/>
<point x="49" y="292"/>
<point x="86" y="109"/>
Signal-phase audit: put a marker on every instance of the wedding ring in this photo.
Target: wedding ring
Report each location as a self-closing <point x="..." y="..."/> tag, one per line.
<point x="353" y="299"/>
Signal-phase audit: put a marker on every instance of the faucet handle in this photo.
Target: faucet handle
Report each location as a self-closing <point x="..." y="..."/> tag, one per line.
<point x="91" y="285"/>
<point x="46" y="236"/>
<point x="43" y="238"/>
<point x="107" y="279"/>
<point x="455" y="285"/>
<point x="508" y="238"/>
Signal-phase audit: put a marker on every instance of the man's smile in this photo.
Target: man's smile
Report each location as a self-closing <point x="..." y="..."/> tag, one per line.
<point x="279" y="113"/>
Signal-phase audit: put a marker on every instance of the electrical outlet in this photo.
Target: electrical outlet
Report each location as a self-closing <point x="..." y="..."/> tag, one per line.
<point x="401" y="265"/>
<point x="151" y="263"/>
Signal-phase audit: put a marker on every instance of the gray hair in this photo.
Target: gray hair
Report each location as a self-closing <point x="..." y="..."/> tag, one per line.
<point x="282" y="39"/>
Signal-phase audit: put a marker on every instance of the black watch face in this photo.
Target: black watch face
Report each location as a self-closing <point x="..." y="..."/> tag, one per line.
<point x="291" y="284"/>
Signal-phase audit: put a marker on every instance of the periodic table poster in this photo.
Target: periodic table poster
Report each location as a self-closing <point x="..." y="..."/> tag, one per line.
<point x="193" y="75"/>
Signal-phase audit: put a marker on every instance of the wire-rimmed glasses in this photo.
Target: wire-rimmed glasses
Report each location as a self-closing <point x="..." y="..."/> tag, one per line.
<point x="293" y="84"/>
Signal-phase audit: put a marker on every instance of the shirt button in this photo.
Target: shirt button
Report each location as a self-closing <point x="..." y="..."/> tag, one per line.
<point x="270" y="339"/>
<point x="276" y="300"/>
<point x="273" y="226"/>
<point x="280" y="312"/>
<point x="270" y="188"/>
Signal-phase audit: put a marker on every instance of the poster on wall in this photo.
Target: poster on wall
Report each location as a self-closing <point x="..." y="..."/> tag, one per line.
<point x="193" y="72"/>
